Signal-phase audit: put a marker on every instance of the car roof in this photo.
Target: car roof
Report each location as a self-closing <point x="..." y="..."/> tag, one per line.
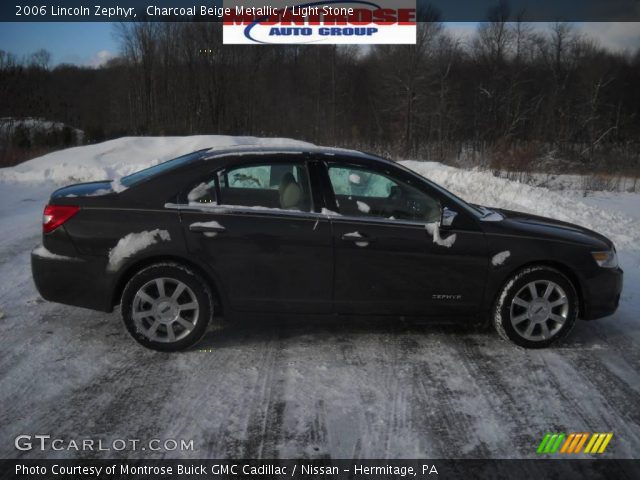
<point x="249" y="150"/>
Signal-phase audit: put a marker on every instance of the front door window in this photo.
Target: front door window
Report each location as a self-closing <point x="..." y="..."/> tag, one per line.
<point x="362" y="192"/>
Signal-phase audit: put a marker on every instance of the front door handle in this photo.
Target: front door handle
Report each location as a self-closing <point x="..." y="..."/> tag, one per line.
<point x="204" y="228"/>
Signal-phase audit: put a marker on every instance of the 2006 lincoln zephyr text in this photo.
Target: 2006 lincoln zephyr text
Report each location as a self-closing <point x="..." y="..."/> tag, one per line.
<point x="318" y="231"/>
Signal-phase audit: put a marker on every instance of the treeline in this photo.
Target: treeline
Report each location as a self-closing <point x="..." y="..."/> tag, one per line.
<point x="509" y="96"/>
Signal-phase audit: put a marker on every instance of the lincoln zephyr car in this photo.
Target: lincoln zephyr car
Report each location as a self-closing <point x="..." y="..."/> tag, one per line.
<point x="312" y="231"/>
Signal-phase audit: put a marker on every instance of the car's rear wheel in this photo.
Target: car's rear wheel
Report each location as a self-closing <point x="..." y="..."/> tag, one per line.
<point x="167" y="307"/>
<point x="536" y="307"/>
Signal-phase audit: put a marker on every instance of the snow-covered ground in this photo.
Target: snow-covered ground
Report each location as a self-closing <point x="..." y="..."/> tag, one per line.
<point x="345" y="388"/>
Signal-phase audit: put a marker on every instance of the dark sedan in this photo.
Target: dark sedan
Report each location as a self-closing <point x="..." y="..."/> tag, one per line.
<point x="313" y="231"/>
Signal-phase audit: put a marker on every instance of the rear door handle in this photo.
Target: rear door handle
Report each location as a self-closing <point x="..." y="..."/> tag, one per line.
<point x="206" y="228"/>
<point x="357" y="237"/>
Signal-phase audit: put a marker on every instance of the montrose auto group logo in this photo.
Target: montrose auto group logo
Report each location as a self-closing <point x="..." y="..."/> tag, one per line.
<point x="328" y="22"/>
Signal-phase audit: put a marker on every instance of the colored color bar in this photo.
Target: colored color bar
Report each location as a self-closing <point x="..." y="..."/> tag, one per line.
<point x="583" y="439"/>
<point x="543" y="443"/>
<point x="575" y="442"/>
<point x="550" y="443"/>
<point x="565" y="447"/>
<point x="596" y="446"/>
<point x="594" y="437"/>
<point x="605" y="442"/>
<point x="556" y="445"/>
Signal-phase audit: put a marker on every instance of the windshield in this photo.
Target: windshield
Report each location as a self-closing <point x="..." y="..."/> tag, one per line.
<point x="150" y="172"/>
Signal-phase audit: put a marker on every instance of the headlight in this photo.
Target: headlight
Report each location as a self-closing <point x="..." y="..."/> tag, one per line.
<point x="606" y="259"/>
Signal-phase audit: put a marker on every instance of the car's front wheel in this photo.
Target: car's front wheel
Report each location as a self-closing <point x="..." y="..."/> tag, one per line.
<point x="536" y="307"/>
<point x="167" y="307"/>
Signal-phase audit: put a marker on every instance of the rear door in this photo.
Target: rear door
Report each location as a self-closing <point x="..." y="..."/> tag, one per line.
<point x="254" y="224"/>
<point x="386" y="259"/>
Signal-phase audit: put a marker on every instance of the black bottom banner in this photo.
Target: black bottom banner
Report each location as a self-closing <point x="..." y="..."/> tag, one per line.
<point x="313" y="469"/>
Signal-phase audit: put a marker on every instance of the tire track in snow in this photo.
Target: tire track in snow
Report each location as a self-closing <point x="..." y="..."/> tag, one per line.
<point x="452" y="407"/>
<point x="210" y="396"/>
<point x="620" y="384"/>
<point x="401" y="437"/>
<point x="316" y="435"/>
<point x="325" y="417"/>
<point x="264" y="423"/>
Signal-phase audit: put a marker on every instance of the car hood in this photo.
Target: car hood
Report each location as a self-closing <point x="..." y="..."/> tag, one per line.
<point x="524" y="224"/>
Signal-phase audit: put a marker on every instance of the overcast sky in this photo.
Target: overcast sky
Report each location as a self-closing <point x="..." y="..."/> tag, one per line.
<point x="92" y="44"/>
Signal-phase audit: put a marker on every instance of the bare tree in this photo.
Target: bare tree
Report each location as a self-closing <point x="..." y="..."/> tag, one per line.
<point x="514" y="91"/>
<point x="40" y="59"/>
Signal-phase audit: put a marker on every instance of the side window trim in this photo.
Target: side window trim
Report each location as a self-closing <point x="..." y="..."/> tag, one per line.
<point x="242" y="210"/>
<point x="218" y="174"/>
<point x="379" y="221"/>
<point x="320" y="186"/>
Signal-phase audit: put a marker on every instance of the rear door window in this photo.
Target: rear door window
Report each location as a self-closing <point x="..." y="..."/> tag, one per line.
<point x="267" y="185"/>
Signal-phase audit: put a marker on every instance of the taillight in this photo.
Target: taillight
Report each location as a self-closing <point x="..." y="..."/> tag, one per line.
<point x="56" y="215"/>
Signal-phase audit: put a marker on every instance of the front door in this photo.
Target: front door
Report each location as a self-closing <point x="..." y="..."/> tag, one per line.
<point x="386" y="258"/>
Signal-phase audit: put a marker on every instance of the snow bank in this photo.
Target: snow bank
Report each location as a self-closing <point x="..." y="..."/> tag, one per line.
<point x="574" y="183"/>
<point x="135" y="242"/>
<point x="120" y="157"/>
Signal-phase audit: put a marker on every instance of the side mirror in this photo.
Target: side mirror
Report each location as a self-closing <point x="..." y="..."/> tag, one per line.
<point x="448" y="216"/>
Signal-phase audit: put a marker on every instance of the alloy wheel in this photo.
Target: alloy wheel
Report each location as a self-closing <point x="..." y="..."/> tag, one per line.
<point x="165" y="310"/>
<point x="539" y="310"/>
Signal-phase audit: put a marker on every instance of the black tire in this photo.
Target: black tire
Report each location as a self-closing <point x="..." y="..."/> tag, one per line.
<point x="504" y="308"/>
<point x="197" y="292"/>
